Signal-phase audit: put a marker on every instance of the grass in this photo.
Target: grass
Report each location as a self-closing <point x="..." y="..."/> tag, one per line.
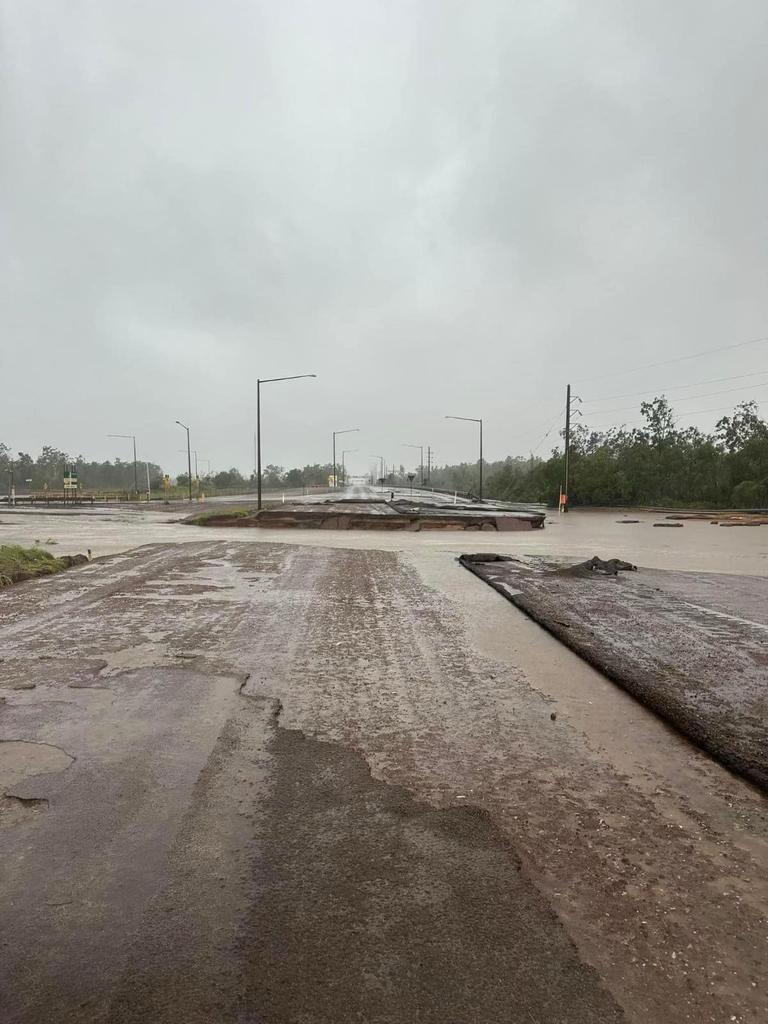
<point x="202" y="518"/>
<point x="17" y="564"/>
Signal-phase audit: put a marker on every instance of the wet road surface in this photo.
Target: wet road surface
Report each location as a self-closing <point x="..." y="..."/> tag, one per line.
<point x="693" y="647"/>
<point x="286" y="782"/>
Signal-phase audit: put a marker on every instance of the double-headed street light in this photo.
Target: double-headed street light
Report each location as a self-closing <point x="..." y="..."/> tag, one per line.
<point x="352" y="430"/>
<point x="471" y="419"/>
<point x="189" y="458"/>
<point x="269" y="380"/>
<point x="131" y="437"/>
<point x="421" y="449"/>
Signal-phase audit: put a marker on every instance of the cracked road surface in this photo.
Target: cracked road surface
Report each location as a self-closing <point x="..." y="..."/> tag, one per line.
<point x="285" y="783"/>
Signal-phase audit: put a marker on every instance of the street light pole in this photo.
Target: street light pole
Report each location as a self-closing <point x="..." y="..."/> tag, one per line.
<point x="259" y="382"/>
<point x="352" y="430"/>
<point x="189" y="458"/>
<point x="131" y="437"/>
<point x="344" y="452"/>
<point x="472" y="419"/>
<point x="381" y="459"/>
<point x="421" y="449"/>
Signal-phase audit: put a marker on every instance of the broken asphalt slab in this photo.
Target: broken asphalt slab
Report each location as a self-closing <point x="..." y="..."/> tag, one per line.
<point x="691" y="646"/>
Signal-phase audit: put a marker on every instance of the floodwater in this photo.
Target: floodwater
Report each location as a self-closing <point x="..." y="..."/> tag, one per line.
<point x="696" y="546"/>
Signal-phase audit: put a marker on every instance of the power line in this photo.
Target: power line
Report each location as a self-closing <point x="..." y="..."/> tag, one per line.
<point x="676" y="359"/>
<point x="687" y="415"/>
<point x="676" y="387"/>
<point x="549" y="430"/>
<point x="689" y="398"/>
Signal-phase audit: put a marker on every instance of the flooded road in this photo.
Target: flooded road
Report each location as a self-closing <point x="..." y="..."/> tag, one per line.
<point x="697" y="546"/>
<point x="310" y="777"/>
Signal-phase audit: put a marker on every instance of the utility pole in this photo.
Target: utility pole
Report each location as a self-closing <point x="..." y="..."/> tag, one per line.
<point x="564" y="495"/>
<point x="429" y="463"/>
<point x="566" y="483"/>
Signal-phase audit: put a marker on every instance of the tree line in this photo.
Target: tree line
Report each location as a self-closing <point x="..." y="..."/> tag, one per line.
<point x="272" y="478"/>
<point x="46" y="471"/>
<point x="656" y="464"/>
<point x="659" y="463"/>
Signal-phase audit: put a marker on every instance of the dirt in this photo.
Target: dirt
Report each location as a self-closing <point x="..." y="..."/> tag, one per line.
<point x="691" y="646"/>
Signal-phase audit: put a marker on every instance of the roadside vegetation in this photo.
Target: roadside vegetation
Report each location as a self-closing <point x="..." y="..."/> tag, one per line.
<point x="211" y="515"/>
<point x="46" y="471"/>
<point x="657" y="464"/>
<point x="18" y="564"/>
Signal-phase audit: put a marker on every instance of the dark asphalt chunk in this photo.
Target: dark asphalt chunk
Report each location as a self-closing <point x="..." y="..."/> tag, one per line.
<point x="691" y="646"/>
<point x="375" y="907"/>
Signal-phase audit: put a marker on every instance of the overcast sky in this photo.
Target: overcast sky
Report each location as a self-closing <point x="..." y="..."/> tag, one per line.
<point x="439" y="207"/>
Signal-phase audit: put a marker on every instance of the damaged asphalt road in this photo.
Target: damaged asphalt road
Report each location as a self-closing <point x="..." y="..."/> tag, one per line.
<point x="691" y="646"/>
<point x="266" y="782"/>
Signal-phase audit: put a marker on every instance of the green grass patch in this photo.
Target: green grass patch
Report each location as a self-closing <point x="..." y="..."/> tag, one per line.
<point x="211" y="515"/>
<point x="18" y="563"/>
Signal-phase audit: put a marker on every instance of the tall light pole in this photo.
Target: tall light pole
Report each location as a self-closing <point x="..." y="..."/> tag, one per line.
<point x="344" y="452"/>
<point x="131" y="437"/>
<point x="381" y="459"/>
<point x="197" y="475"/>
<point x="352" y="430"/>
<point x="471" y="419"/>
<point x="421" y="449"/>
<point x="259" y="382"/>
<point x="189" y="458"/>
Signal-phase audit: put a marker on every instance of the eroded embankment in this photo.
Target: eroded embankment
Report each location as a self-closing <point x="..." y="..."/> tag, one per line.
<point x="18" y="564"/>
<point x="372" y="515"/>
<point x="691" y="646"/>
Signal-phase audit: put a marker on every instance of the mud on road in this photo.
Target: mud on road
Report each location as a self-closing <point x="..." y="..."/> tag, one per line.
<point x="412" y="831"/>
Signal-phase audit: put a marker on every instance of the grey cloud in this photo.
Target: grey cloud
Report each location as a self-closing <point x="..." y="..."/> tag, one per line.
<point x="438" y="207"/>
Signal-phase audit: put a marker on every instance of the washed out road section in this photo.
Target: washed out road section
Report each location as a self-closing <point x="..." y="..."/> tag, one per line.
<point x="691" y="646"/>
<point x="154" y="821"/>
